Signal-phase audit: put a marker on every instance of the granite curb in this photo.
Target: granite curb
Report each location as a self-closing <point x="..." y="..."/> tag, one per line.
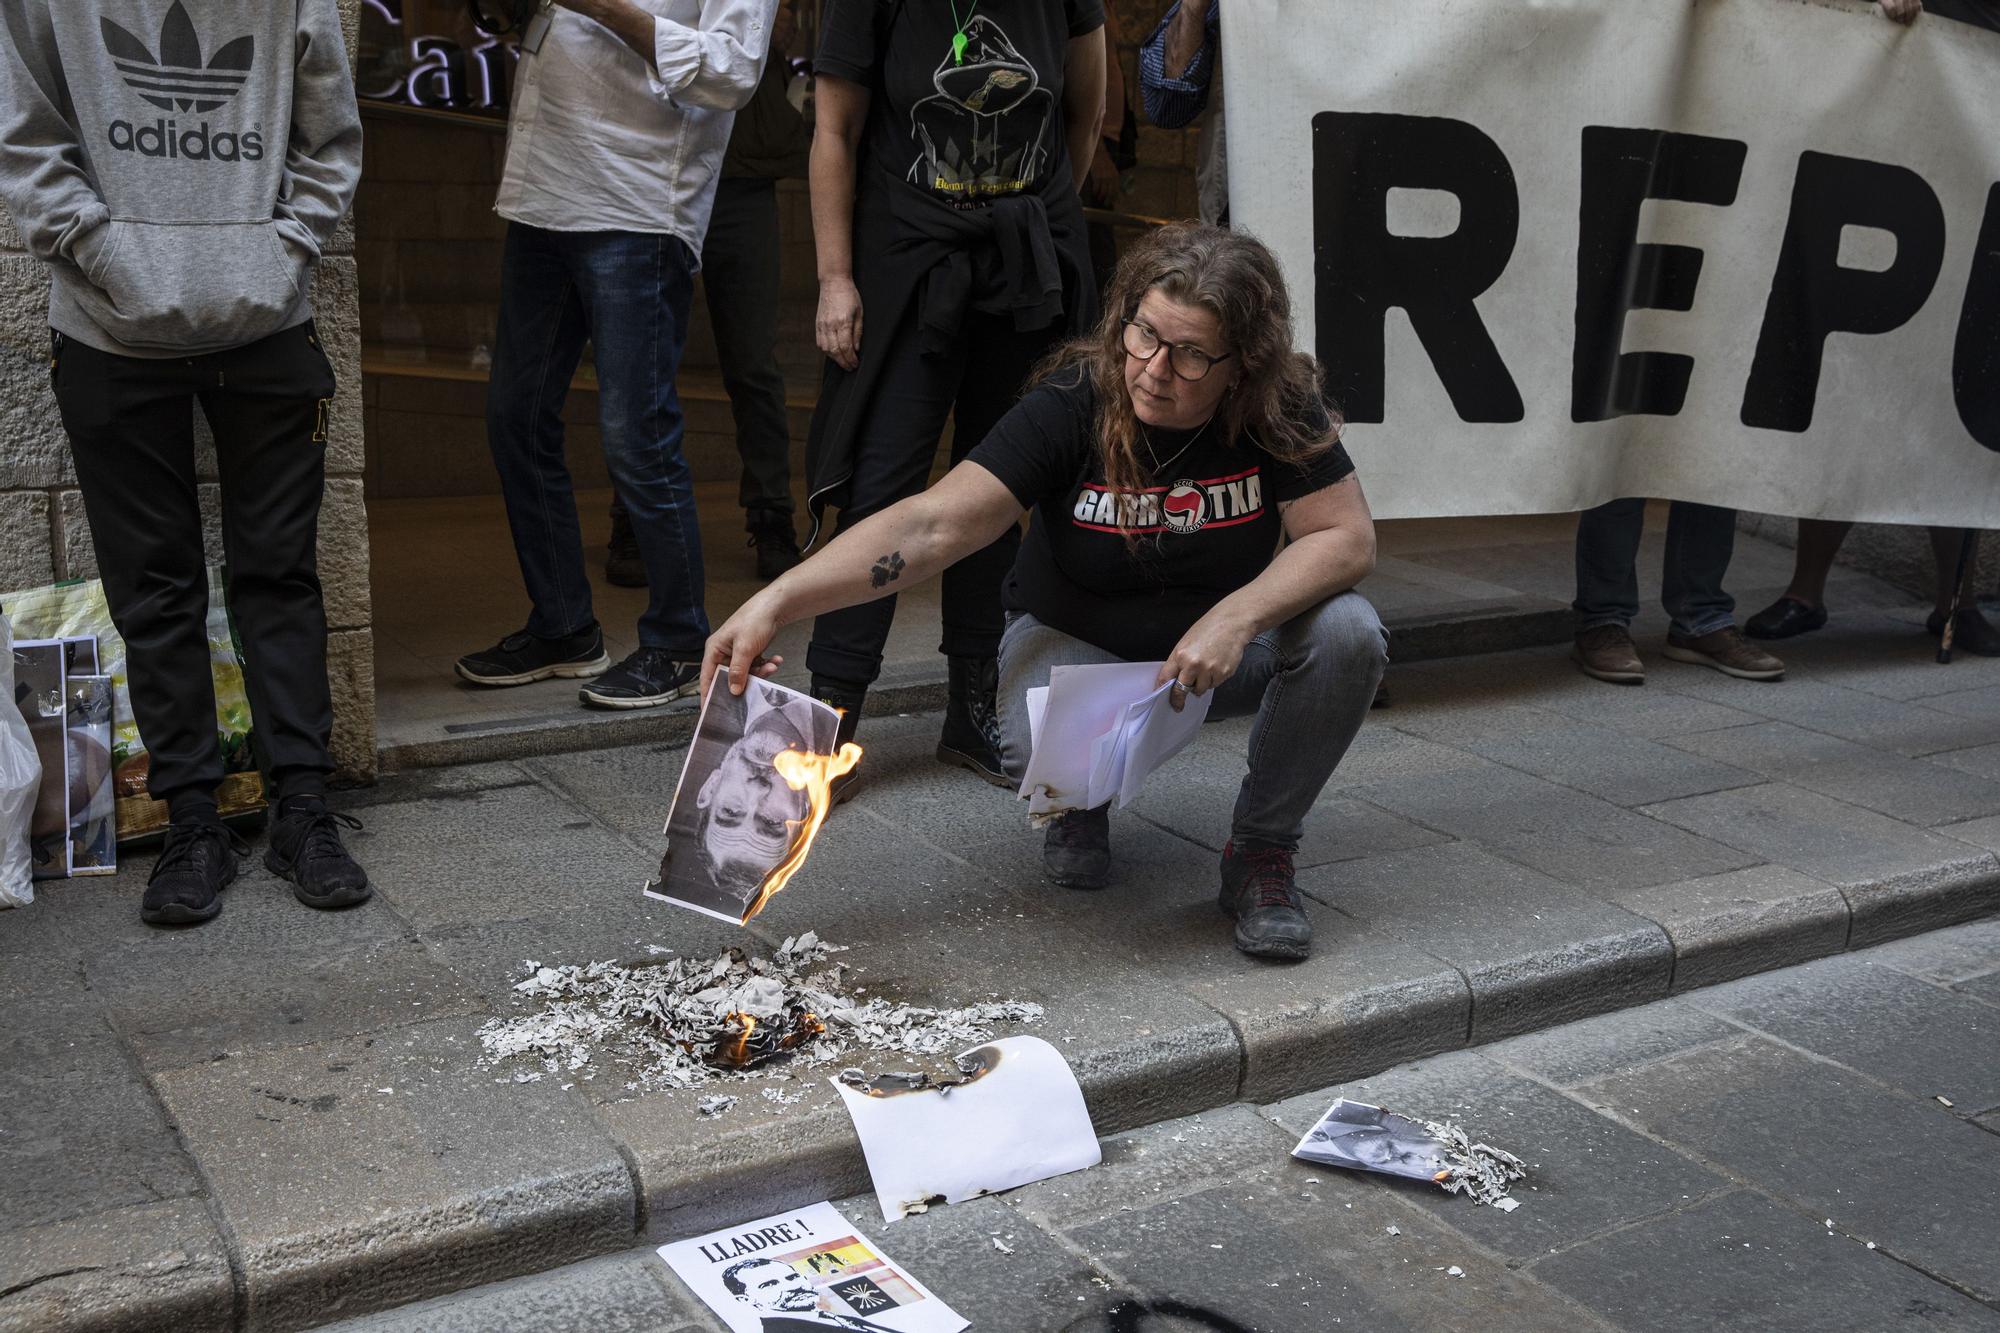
<point x="579" y="1178"/>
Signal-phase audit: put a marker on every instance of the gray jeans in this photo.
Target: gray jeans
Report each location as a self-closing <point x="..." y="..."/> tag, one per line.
<point x="1309" y="682"/>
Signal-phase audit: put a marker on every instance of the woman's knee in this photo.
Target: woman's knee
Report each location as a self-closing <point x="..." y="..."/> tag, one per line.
<point x="1345" y="633"/>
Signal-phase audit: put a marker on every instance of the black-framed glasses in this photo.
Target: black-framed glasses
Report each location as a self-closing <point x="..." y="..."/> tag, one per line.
<point x="1188" y="361"/>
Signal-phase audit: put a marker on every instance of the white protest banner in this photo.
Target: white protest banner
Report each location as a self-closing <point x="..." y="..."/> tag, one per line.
<point x="803" y="1271"/>
<point x="1554" y="252"/>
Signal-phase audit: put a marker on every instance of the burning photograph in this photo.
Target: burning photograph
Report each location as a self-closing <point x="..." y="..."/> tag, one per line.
<point x="751" y="794"/>
<point x="1368" y="1138"/>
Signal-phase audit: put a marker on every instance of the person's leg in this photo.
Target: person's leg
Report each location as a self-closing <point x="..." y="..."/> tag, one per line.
<point x="636" y="291"/>
<point x="894" y="448"/>
<point x="1076" y="848"/>
<point x="1700" y="540"/>
<point x="268" y="407"/>
<point x="536" y="349"/>
<point x="741" y="278"/>
<point x="1607" y="590"/>
<point x="130" y="424"/>
<point x="1607" y="553"/>
<point x="1971" y="630"/>
<point x="970" y="589"/>
<point x="1310" y="682"/>
<point x="623" y="568"/>
<point x="1803" y="607"/>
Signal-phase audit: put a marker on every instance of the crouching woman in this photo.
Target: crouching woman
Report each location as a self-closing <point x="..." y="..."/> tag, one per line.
<point x="1191" y="503"/>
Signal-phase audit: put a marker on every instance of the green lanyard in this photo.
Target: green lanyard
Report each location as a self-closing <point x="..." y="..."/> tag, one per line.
<point x="958" y="41"/>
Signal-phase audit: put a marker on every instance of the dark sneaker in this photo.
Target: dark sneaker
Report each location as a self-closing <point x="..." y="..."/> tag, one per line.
<point x="523" y="658"/>
<point x="648" y="678"/>
<point x="971" y="737"/>
<point x="306" y="849"/>
<point x="198" y="862"/>
<point x="774" y="541"/>
<point x="1076" y="849"/>
<point x="1259" y="891"/>
<point x="1728" y="652"/>
<point x="622" y="565"/>
<point x="1785" y="618"/>
<point x="1607" y="652"/>
<point x="1972" y="632"/>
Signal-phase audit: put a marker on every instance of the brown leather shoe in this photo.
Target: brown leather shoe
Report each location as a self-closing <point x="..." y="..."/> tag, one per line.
<point x="1606" y="652"/>
<point x="1728" y="652"/>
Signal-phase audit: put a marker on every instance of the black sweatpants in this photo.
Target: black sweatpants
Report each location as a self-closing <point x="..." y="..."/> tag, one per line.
<point x="973" y="383"/>
<point x="131" y="429"/>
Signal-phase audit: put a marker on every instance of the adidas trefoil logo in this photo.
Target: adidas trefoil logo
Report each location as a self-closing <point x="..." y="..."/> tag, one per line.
<point x="177" y="79"/>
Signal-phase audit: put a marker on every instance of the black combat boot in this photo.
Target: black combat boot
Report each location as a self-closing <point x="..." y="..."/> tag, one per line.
<point x="971" y="736"/>
<point x="1260" y="891"/>
<point x="848" y="698"/>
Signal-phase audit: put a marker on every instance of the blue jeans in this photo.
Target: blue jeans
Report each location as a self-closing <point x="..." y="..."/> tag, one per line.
<point x="628" y="294"/>
<point x="1700" y="540"/>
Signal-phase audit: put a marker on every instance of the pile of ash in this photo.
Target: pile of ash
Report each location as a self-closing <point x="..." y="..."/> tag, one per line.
<point x="685" y="1023"/>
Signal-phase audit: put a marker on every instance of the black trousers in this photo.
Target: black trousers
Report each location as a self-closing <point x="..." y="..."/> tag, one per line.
<point x="131" y="430"/>
<point x="740" y="276"/>
<point x="974" y="383"/>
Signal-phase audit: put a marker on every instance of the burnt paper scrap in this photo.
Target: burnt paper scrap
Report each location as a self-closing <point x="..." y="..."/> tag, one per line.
<point x="1361" y="1137"/>
<point x="809" y="1269"/>
<point x="738" y="826"/>
<point x="1013" y="1115"/>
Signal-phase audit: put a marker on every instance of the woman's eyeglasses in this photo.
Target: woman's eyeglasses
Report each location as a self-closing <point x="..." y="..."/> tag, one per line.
<point x="1188" y="362"/>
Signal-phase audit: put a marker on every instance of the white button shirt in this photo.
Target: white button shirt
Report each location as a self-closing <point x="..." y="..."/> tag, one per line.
<point x="599" y="140"/>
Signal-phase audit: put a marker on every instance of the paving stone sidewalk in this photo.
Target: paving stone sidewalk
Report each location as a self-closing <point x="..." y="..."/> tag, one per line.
<point x="276" y="1120"/>
<point x="1775" y="1153"/>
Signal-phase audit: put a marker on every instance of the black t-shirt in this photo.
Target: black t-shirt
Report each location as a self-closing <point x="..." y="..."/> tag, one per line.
<point x="1206" y="527"/>
<point x="967" y="125"/>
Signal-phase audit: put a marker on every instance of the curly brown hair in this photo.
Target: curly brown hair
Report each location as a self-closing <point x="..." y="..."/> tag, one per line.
<point x="1277" y="399"/>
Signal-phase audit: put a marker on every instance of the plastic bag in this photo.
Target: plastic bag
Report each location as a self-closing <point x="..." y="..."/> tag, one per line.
<point x="20" y="781"/>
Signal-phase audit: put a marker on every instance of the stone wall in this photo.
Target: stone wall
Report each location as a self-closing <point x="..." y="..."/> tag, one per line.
<point x="44" y="536"/>
<point x="1894" y="553"/>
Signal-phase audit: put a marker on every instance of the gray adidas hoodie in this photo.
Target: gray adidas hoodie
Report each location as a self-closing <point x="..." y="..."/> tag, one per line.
<point x="178" y="166"/>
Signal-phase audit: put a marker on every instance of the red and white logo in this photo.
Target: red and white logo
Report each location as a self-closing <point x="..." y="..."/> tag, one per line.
<point x="1184" y="508"/>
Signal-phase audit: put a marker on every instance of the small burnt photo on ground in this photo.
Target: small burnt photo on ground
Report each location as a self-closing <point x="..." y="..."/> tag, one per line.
<point x="734" y="818"/>
<point x="1368" y="1138"/>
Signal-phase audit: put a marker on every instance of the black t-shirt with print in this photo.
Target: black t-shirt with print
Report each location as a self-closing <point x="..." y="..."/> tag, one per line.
<point x="967" y="125"/>
<point x="1208" y="525"/>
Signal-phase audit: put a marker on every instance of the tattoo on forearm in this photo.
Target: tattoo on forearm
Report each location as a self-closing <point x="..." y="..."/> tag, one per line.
<point x="887" y="570"/>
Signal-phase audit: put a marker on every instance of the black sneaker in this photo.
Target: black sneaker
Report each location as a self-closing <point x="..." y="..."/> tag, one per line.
<point x="523" y="658"/>
<point x="306" y="849"/>
<point x="648" y="678"/>
<point x="971" y="736"/>
<point x="1076" y="849"/>
<point x="1259" y="892"/>
<point x="198" y="862"/>
<point x="776" y="544"/>
<point x="622" y="565"/>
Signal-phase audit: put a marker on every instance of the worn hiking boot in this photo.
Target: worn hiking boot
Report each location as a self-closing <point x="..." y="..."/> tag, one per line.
<point x="523" y="658"/>
<point x="306" y="849"/>
<point x="971" y="737"/>
<point x="198" y="862"/>
<point x="622" y="565"/>
<point x="1607" y="652"/>
<point x="1727" y="651"/>
<point x="774" y="541"/>
<point x="848" y="699"/>
<point x="647" y="678"/>
<point x="1076" y="849"/>
<point x="1259" y="890"/>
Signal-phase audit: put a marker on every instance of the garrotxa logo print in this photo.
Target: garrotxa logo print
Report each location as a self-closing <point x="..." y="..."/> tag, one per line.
<point x="177" y="79"/>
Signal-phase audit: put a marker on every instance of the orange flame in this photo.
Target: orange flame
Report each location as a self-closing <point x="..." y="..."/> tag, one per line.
<point x="739" y="1054"/>
<point x="812" y="774"/>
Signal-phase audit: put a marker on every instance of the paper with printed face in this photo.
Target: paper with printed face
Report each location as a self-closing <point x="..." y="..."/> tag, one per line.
<point x="803" y="1272"/>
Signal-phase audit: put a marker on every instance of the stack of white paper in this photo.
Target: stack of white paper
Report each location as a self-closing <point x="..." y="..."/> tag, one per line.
<point x="1099" y="731"/>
